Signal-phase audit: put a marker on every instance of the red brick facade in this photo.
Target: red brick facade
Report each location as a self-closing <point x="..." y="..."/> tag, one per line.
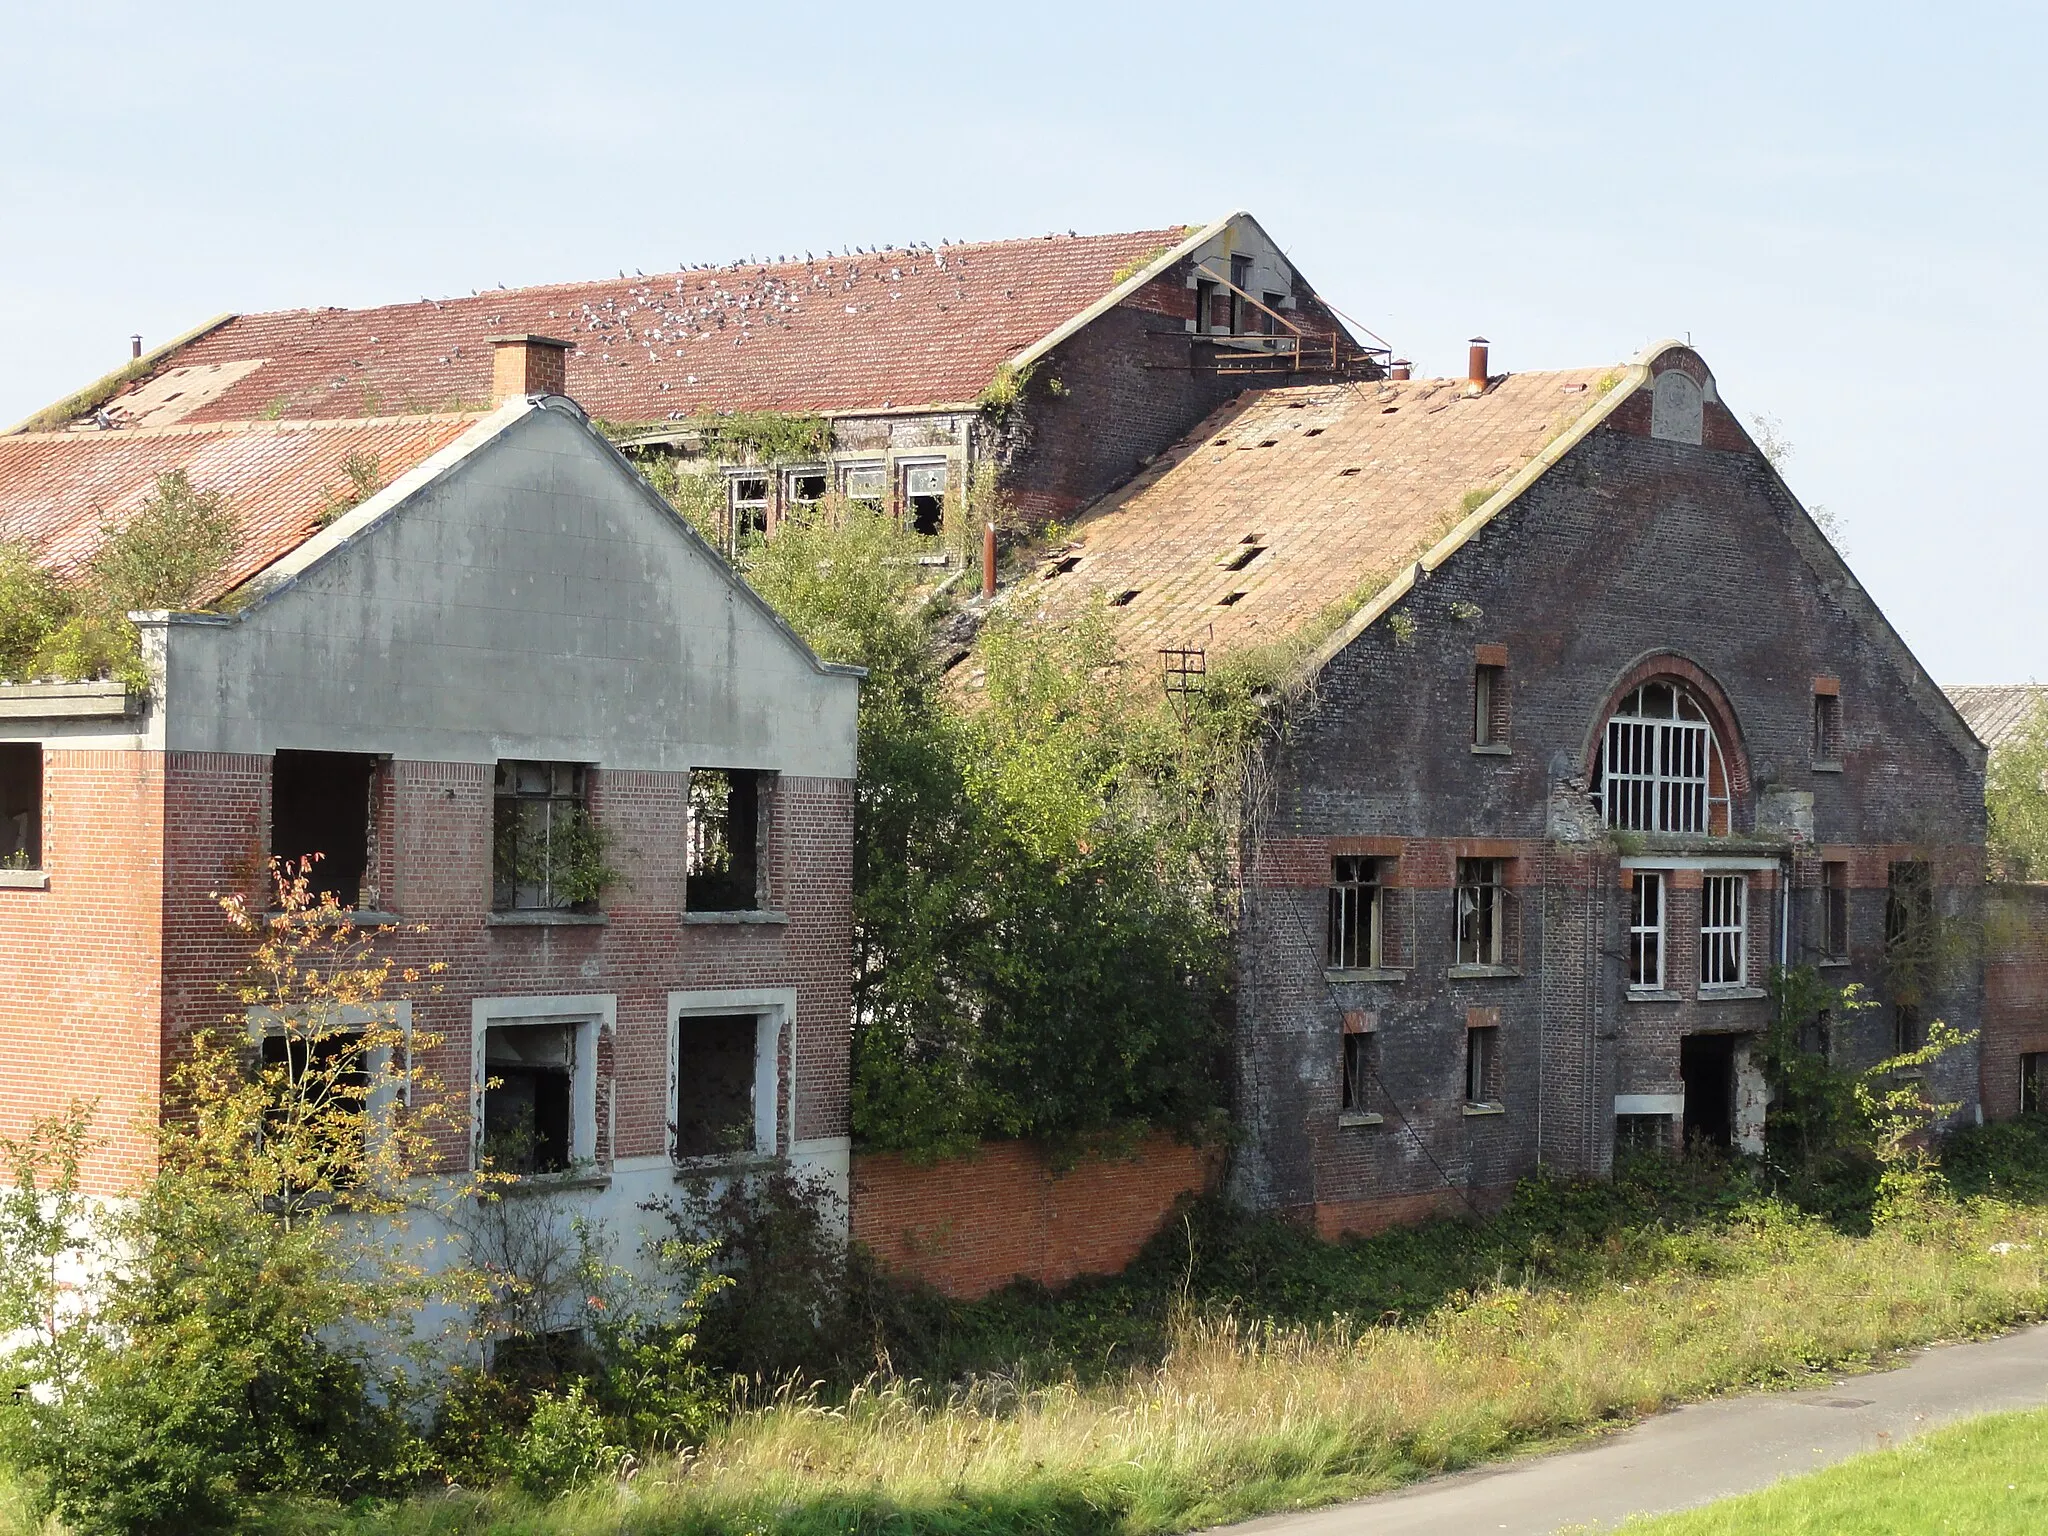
<point x="2015" y="991"/>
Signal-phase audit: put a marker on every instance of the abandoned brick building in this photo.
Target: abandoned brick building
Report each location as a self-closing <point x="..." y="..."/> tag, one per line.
<point x="514" y="637"/>
<point x="1062" y="363"/>
<point x="1593" y="727"/>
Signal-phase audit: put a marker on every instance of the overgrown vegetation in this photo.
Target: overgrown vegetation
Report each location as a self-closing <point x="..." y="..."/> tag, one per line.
<point x="173" y="553"/>
<point x="2016" y="803"/>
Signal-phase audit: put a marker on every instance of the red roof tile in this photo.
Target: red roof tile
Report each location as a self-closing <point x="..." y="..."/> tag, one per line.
<point x="895" y="328"/>
<point x="58" y="490"/>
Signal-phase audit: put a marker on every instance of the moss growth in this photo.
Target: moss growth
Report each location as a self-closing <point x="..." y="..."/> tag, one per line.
<point x="1002" y="393"/>
<point x="1135" y="265"/>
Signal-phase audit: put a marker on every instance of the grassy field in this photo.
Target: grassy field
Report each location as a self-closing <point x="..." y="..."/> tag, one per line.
<point x="1987" y="1477"/>
<point x="1243" y="1367"/>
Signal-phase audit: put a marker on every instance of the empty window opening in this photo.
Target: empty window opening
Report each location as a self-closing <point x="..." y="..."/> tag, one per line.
<point x="803" y="489"/>
<point x="1482" y="1064"/>
<point x="1911" y="941"/>
<point x="1482" y="912"/>
<point x="1909" y="1031"/>
<point x="1357" y="915"/>
<point x="1646" y="932"/>
<point x="1827" y="728"/>
<point x="1268" y="321"/>
<point x="1205" y="306"/>
<point x="1489" y="706"/>
<point x="546" y="854"/>
<point x="21" y="805"/>
<point x="1834" y="911"/>
<point x="2033" y="1078"/>
<point x="1636" y="1135"/>
<point x="1724" y="930"/>
<point x="1660" y="767"/>
<point x="749" y="500"/>
<point x="1706" y="1065"/>
<point x="1229" y="599"/>
<point x="320" y="1096"/>
<point x="1361" y="1067"/>
<point x="1816" y="1035"/>
<point x="1244" y="557"/>
<point x="530" y="1073"/>
<point x="1123" y="599"/>
<point x="867" y="483"/>
<point x="320" y="810"/>
<point x="723" y="870"/>
<point x="716" y="1070"/>
<point x="924" y="497"/>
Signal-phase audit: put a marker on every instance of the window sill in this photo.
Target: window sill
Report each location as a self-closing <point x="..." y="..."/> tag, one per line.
<point x="347" y="917"/>
<point x="1836" y="963"/>
<point x="24" y="879"/>
<point x="1480" y="972"/>
<point x="722" y="1162"/>
<point x="549" y="1184"/>
<point x="1364" y="973"/>
<point x="1730" y="994"/>
<point x="1485" y="1109"/>
<point x="1821" y="765"/>
<point x="1491" y="749"/>
<point x="744" y="916"/>
<point x="1646" y="995"/>
<point x="539" y="917"/>
<point x="1349" y="1117"/>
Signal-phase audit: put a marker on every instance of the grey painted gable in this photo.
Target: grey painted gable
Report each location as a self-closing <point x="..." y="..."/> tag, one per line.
<point x="533" y="599"/>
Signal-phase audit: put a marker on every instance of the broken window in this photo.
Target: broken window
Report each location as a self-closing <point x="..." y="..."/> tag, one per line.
<point x="1268" y="320"/>
<point x="1489" y="706"/>
<point x="1911" y="940"/>
<point x="320" y="1087"/>
<point x="1356" y="915"/>
<point x="1361" y="1067"/>
<point x="748" y="496"/>
<point x="1482" y="912"/>
<point x="1646" y="932"/>
<point x="320" y="810"/>
<point x="717" y="1068"/>
<point x="1827" y="727"/>
<point x="723" y="873"/>
<point x="802" y="490"/>
<point x="546" y="854"/>
<point x="1637" y="1134"/>
<point x="1834" y="911"/>
<point x="1240" y="279"/>
<point x="1482" y="1064"/>
<point x="21" y="805"/>
<point x="529" y="1096"/>
<point x="867" y="483"/>
<point x="924" y="497"/>
<point x="1724" y="930"/>
<point x="2033" y="1077"/>
<point x="1660" y="767"/>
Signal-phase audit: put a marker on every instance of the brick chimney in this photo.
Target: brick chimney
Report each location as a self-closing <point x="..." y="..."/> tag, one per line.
<point x="528" y="365"/>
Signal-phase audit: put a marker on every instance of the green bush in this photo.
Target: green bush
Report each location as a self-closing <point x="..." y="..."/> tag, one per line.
<point x="567" y="1441"/>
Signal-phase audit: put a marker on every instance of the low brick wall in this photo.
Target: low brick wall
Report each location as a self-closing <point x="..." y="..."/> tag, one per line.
<point x="2015" y="991"/>
<point x="969" y="1225"/>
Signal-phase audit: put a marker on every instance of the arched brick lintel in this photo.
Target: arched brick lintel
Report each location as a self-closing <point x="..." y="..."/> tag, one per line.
<point x="1713" y="699"/>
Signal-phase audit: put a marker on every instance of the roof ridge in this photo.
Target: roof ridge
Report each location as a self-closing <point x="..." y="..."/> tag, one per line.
<point x="252" y="425"/>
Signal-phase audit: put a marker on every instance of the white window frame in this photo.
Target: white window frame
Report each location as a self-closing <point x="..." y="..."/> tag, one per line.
<point x="1657" y="772"/>
<point x="1724" y="919"/>
<point x="878" y="468"/>
<point x="1646" y="939"/>
<point x="774" y="1010"/>
<point x="591" y="1015"/>
<point x="790" y="477"/>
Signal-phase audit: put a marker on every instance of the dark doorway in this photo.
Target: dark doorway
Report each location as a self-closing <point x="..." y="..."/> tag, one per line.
<point x="528" y="1114"/>
<point x="1707" y="1065"/>
<point x="320" y="803"/>
<point x="715" y="1074"/>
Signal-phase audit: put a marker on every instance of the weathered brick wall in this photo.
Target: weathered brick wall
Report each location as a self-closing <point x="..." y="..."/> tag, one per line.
<point x="969" y="1225"/>
<point x="2015" y="990"/>
<point x="1630" y="548"/>
<point x="80" y="989"/>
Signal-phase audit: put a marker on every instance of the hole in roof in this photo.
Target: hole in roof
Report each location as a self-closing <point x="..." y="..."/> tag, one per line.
<point x="1228" y="598"/>
<point x="1123" y="599"/>
<point x="1219" y="442"/>
<point x="1313" y="432"/>
<point x="1244" y="558"/>
<point x="1062" y="566"/>
<point x="1347" y="472"/>
<point x="1388" y="410"/>
<point x="1250" y="538"/>
<point x="1575" y="389"/>
<point x="1297" y="405"/>
<point x="1271" y="442"/>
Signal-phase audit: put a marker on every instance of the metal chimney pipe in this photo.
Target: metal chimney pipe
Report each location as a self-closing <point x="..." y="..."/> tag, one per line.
<point x="1475" y="367"/>
<point x="988" y="560"/>
<point x="1400" y="369"/>
<point x="135" y="346"/>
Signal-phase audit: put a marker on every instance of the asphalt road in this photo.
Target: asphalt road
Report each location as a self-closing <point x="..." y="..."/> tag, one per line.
<point x="1696" y="1454"/>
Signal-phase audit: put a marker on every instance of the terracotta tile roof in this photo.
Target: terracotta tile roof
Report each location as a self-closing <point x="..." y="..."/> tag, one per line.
<point x="1290" y="500"/>
<point x="893" y="328"/>
<point x="59" y="489"/>
<point x="1997" y="714"/>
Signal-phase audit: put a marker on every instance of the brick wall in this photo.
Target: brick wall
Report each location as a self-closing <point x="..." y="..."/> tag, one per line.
<point x="970" y="1225"/>
<point x="2015" y="991"/>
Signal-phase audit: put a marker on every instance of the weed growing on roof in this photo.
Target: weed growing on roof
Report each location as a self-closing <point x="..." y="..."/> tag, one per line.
<point x="365" y="475"/>
<point x="33" y="605"/>
<point x="764" y="437"/>
<point x="89" y="399"/>
<point x="1001" y="394"/>
<point x="1474" y="499"/>
<point x="1135" y="265"/>
<point x="1401" y="624"/>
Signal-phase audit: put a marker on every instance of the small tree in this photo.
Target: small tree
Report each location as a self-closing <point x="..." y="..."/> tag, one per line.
<point x="2016" y="803"/>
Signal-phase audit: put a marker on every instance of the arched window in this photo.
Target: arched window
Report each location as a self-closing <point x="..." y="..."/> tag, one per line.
<point x="1660" y="767"/>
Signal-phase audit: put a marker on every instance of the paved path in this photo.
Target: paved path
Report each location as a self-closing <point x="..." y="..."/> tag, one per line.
<point x="1700" y="1453"/>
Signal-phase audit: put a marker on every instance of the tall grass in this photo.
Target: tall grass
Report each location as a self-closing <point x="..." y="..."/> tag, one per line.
<point x="1243" y="1416"/>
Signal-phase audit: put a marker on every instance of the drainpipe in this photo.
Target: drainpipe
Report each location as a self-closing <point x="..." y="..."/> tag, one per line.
<point x="988" y="560"/>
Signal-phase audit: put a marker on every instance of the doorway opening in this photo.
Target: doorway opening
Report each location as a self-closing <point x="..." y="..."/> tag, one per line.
<point x="1706" y="1063"/>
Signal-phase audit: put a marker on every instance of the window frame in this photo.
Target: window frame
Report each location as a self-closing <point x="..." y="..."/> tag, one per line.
<point x="775" y="1013"/>
<point x="1648" y="934"/>
<point x="1662" y="751"/>
<point x="2033" y="1069"/>
<point x="1725" y="922"/>
<point x="878" y="497"/>
<point x="1367" y="885"/>
<point x="591" y="1016"/>
<point x="1358" y="1069"/>
<point x="390" y="1086"/>
<point x="1483" y="1085"/>
<point x="320" y="882"/>
<point x="1827" y="726"/>
<point x="1834" y="912"/>
<point x="578" y="799"/>
<point x="1480" y="903"/>
<point x="1489" y="706"/>
<point x="758" y="792"/>
<point x="28" y="856"/>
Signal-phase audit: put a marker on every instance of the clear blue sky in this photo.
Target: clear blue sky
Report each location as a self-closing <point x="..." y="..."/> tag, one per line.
<point x="1842" y="205"/>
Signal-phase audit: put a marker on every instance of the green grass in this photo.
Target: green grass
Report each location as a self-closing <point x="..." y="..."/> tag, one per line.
<point x="1985" y="1477"/>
